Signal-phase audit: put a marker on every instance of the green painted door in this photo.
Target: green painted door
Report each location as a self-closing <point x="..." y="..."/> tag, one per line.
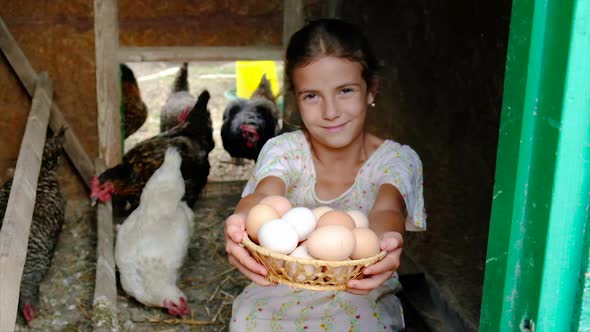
<point x="537" y="245"/>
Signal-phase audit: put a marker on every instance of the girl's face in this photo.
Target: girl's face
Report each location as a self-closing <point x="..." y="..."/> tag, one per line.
<point x="332" y="97"/>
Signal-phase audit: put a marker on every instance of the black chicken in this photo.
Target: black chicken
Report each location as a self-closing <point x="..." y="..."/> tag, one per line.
<point x="46" y="224"/>
<point x="249" y="123"/>
<point x="194" y="140"/>
<point x="134" y="109"/>
<point x="179" y="102"/>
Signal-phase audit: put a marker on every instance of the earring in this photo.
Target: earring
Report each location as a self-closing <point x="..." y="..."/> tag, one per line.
<point x="372" y="104"/>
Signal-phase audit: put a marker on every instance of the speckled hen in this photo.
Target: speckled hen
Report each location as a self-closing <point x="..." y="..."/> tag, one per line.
<point x="48" y="218"/>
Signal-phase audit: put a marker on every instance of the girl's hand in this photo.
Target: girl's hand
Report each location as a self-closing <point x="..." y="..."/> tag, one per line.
<point x="238" y="256"/>
<point x="378" y="273"/>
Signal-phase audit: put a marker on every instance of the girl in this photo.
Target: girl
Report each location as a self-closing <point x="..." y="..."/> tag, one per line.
<point x="335" y="162"/>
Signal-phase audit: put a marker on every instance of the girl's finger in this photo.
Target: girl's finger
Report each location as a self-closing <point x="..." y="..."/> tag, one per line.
<point x="257" y="278"/>
<point x="391" y="241"/>
<point x="243" y="257"/>
<point x="390" y="262"/>
<point x="235" y="227"/>
<point x="370" y="283"/>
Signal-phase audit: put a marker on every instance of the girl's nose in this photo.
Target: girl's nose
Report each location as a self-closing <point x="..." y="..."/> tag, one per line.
<point x="330" y="111"/>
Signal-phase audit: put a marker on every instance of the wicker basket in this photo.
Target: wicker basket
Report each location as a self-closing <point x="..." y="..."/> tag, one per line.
<point x="307" y="273"/>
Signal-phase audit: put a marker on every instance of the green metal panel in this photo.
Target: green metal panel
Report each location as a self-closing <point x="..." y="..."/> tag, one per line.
<point x="572" y="198"/>
<point x="534" y="164"/>
<point x="570" y="195"/>
<point x="507" y="157"/>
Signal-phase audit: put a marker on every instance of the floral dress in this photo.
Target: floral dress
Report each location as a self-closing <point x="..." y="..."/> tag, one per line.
<point x="282" y="308"/>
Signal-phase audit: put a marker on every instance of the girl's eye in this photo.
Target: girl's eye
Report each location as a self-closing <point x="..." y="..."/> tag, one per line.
<point x="346" y="90"/>
<point x="309" y="96"/>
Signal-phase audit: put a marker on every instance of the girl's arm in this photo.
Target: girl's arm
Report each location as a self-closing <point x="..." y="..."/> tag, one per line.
<point x="235" y="230"/>
<point x="387" y="219"/>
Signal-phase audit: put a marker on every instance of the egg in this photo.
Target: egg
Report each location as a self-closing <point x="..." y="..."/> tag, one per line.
<point x="301" y="270"/>
<point x="279" y="203"/>
<point x="258" y="215"/>
<point x="366" y="243"/>
<point x="360" y="219"/>
<point x="279" y="236"/>
<point x="331" y="242"/>
<point x="302" y="219"/>
<point x="320" y="210"/>
<point x="336" y="217"/>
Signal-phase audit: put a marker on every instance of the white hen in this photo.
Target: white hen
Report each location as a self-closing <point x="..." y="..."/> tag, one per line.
<point x="153" y="241"/>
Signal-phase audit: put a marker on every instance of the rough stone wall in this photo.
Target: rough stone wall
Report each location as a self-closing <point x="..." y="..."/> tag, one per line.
<point x="441" y="94"/>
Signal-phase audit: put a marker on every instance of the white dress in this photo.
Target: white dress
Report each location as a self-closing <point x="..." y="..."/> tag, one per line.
<point x="281" y="308"/>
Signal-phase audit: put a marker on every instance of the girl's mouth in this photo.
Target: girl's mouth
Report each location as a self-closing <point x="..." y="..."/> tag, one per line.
<point x="335" y="129"/>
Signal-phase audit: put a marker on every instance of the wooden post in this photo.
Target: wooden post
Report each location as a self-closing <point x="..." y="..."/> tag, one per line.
<point x="293" y="19"/>
<point x="28" y="77"/>
<point x="14" y="236"/>
<point x="104" y="316"/>
<point x="199" y="53"/>
<point x="108" y="87"/>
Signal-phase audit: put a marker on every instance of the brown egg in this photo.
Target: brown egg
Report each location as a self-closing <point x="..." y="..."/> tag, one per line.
<point x="366" y="243"/>
<point x="336" y="217"/>
<point x="258" y="215"/>
<point x="279" y="203"/>
<point x="331" y="242"/>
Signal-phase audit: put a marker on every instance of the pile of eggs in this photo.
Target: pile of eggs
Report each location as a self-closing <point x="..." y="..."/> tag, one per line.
<point x="321" y="233"/>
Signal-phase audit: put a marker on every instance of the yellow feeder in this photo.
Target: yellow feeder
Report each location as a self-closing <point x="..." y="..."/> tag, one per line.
<point x="248" y="74"/>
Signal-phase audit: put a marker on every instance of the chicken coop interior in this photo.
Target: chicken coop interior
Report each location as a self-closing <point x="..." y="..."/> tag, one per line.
<point x="442" y="77"/>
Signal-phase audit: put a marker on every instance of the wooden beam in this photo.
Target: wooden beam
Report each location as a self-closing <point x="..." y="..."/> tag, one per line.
<point x="108" y="86"/>
<point x="293" y="19"/>
<point x="104" y="316"/>
<point x="28" y="77"/>
<point x="206" y="53"/>
<point x="14" y="235"/>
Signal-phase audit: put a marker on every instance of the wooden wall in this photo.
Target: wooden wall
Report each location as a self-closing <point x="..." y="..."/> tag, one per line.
<point x="58" y="37"/>
<point x="441" y="93"/>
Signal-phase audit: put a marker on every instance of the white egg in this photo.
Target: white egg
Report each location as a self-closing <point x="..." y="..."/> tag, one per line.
<point x="360" y="219"/>
<point x="279" y="236"/>
<point x="320" y="210"/>
<point x="302" y="219"/>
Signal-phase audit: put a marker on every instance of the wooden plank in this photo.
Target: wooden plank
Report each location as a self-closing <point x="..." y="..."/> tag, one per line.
<point x="108" y="87"/>
<point x="14" y="235"/>
<point x="293" y="19"/>
<point x="206" y="53"/>
<point x="334" y="8"/>
<point x="28" y="76"/>
<point x="105" y="291"/>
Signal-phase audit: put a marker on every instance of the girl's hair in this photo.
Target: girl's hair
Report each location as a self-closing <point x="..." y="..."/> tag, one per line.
<point x="330" y="37"/>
